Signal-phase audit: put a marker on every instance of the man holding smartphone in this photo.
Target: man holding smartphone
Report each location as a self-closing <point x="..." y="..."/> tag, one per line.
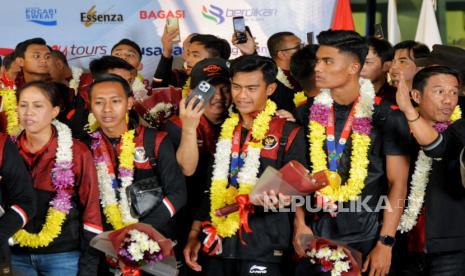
<point x="194" y="134"/>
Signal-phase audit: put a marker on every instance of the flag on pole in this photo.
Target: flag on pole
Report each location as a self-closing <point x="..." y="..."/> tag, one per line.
<point x="342" y="19"/>
<point x="393" y="24"/>
<point x="427" y="30"/>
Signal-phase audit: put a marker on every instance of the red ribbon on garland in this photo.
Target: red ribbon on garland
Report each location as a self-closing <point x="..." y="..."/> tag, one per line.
<point x="245" y="207"/>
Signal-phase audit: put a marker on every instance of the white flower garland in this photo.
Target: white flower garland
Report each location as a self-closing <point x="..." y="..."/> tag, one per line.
<point x="222" y="159"/>
<point x="161" y="107"/>
<point x="74" y="82"/>
<point x="283" y="79"/>
<point x="65" y="142"/>
<point x="108" y="194"/>
<point x="249" y="171"/>
<point x="139" y="91"/>
<point x="420" y="179"/>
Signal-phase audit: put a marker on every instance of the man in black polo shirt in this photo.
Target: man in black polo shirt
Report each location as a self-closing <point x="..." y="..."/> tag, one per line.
<point x="436" y="89"/>
<point x="282" y="46"/>
<point x="363" y="147"/>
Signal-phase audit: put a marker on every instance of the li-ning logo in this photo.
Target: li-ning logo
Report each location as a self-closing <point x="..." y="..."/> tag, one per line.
<point x="256" y="269"/>
<point x="46" y="17"/>
<point x="91" y="16"/>
<point x="214" y="14"/>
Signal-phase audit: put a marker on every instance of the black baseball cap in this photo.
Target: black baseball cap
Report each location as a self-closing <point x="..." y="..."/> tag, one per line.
<point x="209" y="69"/>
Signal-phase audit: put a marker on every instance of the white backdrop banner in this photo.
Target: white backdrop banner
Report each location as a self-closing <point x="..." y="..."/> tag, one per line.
<point x="85" y="30"/>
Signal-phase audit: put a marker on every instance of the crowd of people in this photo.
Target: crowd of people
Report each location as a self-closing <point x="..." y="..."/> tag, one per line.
<point x="384" y="121"/>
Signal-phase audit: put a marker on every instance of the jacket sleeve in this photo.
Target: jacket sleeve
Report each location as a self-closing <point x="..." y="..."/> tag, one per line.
<point x="17" y="192"/>
<point x="162" y="76"/>
<point x="173" y="183"/>
<point x="449" y="143"/>
<point x="89" y="208"/>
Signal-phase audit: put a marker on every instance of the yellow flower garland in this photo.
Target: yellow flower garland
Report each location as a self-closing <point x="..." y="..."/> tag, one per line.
<point x="51" y="230"/>
<point x="9" y="105"/>
<point x="359" y="163"/>
<point x="126" y="158"/>
<point x="112" y="212"/>
<point x="299" y="98"/>
<point x="457" y="114"/>
<point x="222" y="195"/>
<point x="185" y="88"/>
<point x="113" y="216"/>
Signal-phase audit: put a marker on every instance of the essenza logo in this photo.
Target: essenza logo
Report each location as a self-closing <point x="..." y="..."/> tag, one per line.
<point x="74" y="51"/>
<point x="217" y="14"/>
<point x="42" y="16"/>
<point x="161" y="14"/>
<point x="92" y="16"/>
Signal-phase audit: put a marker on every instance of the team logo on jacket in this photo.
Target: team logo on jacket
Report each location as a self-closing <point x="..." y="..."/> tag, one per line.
<point x="270" y="142"/>
<point x="139" y="155"/>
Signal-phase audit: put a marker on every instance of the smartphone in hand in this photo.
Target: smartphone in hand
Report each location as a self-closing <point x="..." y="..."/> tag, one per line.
<point x="204" y="91"/>
<point x="171" y="25"/>
<point x="310" y="38"/>
<point x="239" y="29"/>
<point x="379" y="31"/>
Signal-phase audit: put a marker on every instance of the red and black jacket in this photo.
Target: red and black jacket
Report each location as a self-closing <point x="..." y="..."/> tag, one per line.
<point x="84" y="220"/>
<point x="271" y="231"/>
<point x="16" y="194"/>
<point x="167" y="170"/>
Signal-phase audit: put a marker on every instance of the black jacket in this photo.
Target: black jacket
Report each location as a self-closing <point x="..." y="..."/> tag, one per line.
<point x="271" y="231"/>
<point x="445" y="195"/>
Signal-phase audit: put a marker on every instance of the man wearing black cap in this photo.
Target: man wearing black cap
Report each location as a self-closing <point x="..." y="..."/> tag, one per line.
<point x="194" y="133"/>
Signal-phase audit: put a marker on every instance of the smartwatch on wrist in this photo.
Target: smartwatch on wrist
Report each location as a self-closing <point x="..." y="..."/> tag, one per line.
<point x="387" y="240"/>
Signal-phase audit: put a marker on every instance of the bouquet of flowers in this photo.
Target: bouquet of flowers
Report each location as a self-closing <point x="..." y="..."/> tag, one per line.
<point x="333" y="257"/>
<point x="293" y="179"/>
<point x="159" y="105"/>
<point x="138" y="247"/>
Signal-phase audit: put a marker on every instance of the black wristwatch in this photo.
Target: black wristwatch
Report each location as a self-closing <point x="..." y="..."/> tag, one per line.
<point x="387" y="240"/>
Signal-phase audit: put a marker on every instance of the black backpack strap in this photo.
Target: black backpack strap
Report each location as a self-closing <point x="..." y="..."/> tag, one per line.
<point x="150" y="141"/>
<point x="287" y="129"/>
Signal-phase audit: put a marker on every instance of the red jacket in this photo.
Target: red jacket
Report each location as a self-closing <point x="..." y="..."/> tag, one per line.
<point x="84" y="219"/>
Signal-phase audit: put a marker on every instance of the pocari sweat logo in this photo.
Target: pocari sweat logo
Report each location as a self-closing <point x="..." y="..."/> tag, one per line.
<point x="42" y="16"/>
<point x="214" y="13"/>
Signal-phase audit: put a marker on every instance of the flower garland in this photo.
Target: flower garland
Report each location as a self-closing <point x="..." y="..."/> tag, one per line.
<point x="361" y="130"/>
<point x="76" y="72"/>
<point x="62" y="181"/>
<point x="420" y="179"/>
<point x="299" y="98"/>
<point x="185" y="88"/>
<point x="9" y="105"/>
<point x="222" y="193"/>
<point x="138" y="89"/>
<point x="118" y="214"/>
<point x="283" y="79"/>
<point x="158" y="113"/>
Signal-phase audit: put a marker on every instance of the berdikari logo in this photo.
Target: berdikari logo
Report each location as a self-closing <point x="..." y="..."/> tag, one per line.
<point x="42" y="16"/>
<point x="214" y="14"/>
<point x="218" y="15"/>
